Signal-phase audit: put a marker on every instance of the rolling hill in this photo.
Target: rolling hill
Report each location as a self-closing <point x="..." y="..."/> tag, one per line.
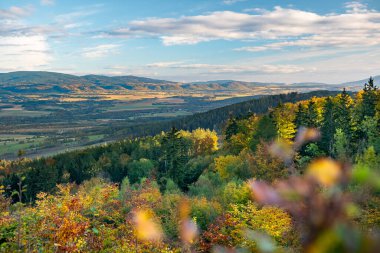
<point x="51" y="82"/>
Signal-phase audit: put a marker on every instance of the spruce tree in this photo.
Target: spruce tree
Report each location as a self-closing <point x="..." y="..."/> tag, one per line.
<point x="312" y="119"/>
<point x="328" y="127"/>
<point x="301" y="115"/>
<point x="370" y="99"/>
<point x="169" y="151"/>
<point x="231" y="128"/>
<point x="342" y="113"/>
<point x="266" y="131"/>
<point x="365" y="112"/>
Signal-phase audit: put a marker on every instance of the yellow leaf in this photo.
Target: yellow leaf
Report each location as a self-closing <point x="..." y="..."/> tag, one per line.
<point x="326" y="171"/>
<point x="146" y="228"/>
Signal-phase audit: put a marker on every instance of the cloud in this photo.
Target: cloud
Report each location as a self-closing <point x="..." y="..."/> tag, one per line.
<point x="26" y="46"/>
<point x="230" y="69"/>
<point x="75" y="20"/>
<point x="100" y="51"/>
<point x="229" y="2"/>
<point x="285" y="27"/>
<point x="344" y="41"/>
<point x="47" y="2"/>
<point x="21" y="46"/>
<point x="70" y="16"/>
<point x="23" y="52"/>
<point x="189" y="72"/>
<point x="258" y="10"/>
<point x="15" y="12"/>
<point x="13" y="22"/>
<point x="163" y="64"/>
<point x="356" y="7"/>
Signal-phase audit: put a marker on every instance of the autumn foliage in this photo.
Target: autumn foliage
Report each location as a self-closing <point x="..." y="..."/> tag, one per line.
<point x="302" y="178"/>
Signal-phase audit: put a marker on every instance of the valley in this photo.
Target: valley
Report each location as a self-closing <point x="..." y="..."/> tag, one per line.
<point x="42" y="125"/>
<point x="44" y="113"/>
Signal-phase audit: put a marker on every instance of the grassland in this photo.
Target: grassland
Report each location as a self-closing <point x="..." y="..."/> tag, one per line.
<point x="11" y="144"/>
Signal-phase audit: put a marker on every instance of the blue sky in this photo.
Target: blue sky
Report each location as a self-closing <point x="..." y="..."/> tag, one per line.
<point x="192" y="40"/>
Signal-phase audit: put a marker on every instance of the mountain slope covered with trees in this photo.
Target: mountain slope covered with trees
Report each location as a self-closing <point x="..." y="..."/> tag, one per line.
<point x="216" y="119"/>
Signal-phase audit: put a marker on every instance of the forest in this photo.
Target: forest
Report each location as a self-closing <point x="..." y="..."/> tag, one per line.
<point x="289" y="173"/>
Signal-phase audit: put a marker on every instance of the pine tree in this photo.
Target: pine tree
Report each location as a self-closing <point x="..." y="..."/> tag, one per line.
<point x="301" y="115"/>
<point x="370" y="99"/>
<point x="328" y="126"/>
<point x="342" y="113"/>
<point x="312" y="119"/>
<point x="341" y="145"/>
<point x="231" y="129"/>
<point x="266" y="131"/>
<point x="169" y="150"/>
<point x="176" y="150"/>
<point x="365" y="112"/>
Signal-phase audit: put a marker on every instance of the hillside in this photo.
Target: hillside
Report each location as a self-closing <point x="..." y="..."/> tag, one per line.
<point x="41" y="82"/>
<point x="216" y="118"/>
<point x="51" y="82"/>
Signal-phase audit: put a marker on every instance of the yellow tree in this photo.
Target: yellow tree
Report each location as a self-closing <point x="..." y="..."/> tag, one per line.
<point x="284" y="117"/>
<point x="205" y="141"/>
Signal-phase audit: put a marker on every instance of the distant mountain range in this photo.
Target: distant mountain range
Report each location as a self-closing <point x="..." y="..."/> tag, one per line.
<point x="51" y="82"/>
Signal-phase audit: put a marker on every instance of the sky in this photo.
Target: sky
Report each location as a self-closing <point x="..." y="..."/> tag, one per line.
<point x="328" y="41"/>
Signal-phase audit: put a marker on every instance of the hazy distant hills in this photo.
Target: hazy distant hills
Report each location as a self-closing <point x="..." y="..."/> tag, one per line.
<point x="51" y="82"/>
<point x="38" y="81"/>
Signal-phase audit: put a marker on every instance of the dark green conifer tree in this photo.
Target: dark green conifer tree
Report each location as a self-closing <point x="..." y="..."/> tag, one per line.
<point x="301" y="115"/>
<point x="266" y="131"/>
<point x="312" y="119"/>
<point x="328" y="127"/>
<point x="342" y="113"/>
<point x="231" y="128"/>
<point x="370" y="99"/>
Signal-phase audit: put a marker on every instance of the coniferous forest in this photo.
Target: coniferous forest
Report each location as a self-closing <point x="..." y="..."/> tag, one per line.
<point x="286" y="173"/>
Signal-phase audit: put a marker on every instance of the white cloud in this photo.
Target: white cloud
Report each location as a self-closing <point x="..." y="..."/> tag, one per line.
<point x="258" y="10"/>
<point x="231" y="69"/>
<point x="357" y="26"/>
<point x="100" y="51"/>
<point x="26" y="46"/>
<point x="23" y="52"/>
<point x="356" y="7"/>
<point x="188" y="72"/>
<point x="15" y="12"/>
<point x="344" y="41"/>
<point x="70" y="16"/>
<point x="47" y="2"/>
<point x="21" y="47"/>
<point x="229" y="2"/>
<point x="163" y="64"/>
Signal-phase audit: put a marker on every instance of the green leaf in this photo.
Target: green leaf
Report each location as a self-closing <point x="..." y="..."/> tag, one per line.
<point x="95" y="230"/>
<point x="264" y="242"/>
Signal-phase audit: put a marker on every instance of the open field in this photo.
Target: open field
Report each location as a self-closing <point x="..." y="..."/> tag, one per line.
<point x="11" y="144"/>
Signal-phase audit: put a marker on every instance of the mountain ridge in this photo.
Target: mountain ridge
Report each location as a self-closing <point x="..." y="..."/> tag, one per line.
<point x="54" y="82"/>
